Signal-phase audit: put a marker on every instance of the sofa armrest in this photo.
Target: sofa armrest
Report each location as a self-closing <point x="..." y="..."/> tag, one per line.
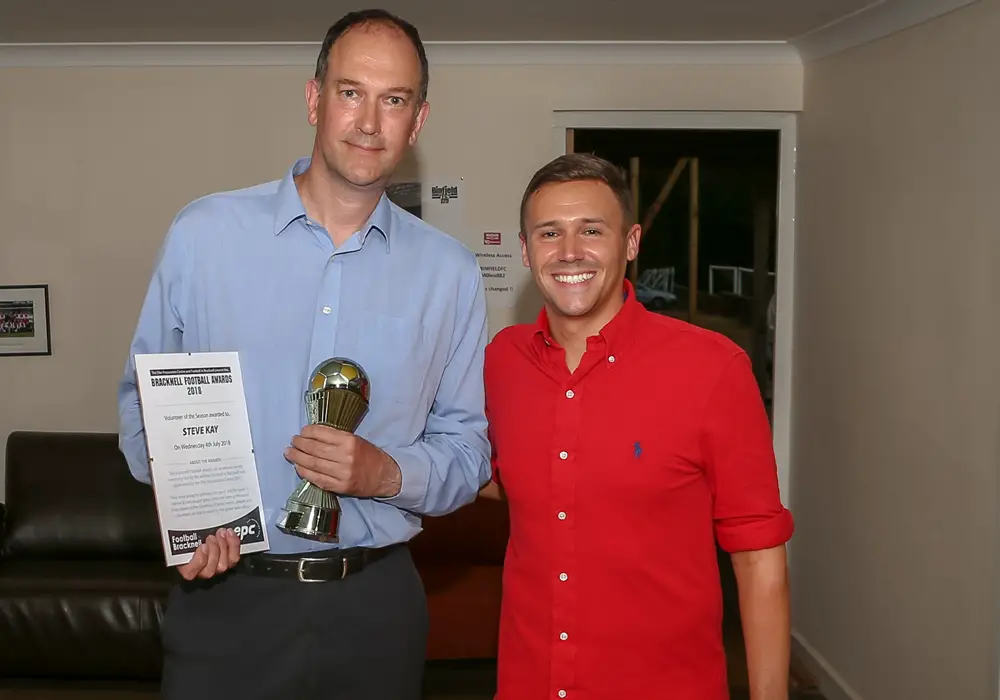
<point x="95" y="509"/>
<point x="3" y="518"/>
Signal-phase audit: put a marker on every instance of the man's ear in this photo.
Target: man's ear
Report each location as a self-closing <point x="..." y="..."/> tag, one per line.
<point x="632" y="239"/>
<point x="313" y="90"/>
<point x="418" y="121"/>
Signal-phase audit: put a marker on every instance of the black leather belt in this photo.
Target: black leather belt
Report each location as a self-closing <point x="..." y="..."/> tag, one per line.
<point x="318" y="567"/>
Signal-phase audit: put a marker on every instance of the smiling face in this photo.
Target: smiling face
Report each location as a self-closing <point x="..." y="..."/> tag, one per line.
<point x="368" y="110"/>
<point x="577" y="243"/>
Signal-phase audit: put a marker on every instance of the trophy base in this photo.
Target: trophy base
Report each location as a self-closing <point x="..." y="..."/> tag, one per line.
<point x="311" y="522"/>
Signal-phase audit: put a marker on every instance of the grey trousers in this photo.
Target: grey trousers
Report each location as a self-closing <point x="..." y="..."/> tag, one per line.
<point x="255" y="638"/>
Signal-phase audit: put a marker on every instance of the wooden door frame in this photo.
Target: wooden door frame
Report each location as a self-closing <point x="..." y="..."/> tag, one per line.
<point x="565" y="121"/>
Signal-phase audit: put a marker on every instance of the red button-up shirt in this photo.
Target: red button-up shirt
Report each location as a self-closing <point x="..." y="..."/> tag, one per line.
<point x="620" y="478"/>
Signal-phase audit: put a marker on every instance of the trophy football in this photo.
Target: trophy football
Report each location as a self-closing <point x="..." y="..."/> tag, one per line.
<point x="338" y="395"/>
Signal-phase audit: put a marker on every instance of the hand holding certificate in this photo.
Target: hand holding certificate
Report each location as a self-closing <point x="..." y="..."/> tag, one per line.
<point x="201" y="459"/>
<point x="217" y="554"/>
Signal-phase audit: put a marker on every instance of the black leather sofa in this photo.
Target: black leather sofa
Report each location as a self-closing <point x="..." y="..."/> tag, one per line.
<point x="83" y="583"/>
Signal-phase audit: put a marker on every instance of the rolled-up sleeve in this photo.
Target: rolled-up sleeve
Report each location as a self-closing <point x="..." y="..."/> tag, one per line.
<point x="159" y="329"/>
<point x="448" y="466"/>
<point x="740" y="465"/>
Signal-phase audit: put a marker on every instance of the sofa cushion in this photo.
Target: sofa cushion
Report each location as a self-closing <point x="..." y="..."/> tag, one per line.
<point x="82" y="619"/>
<point x="464" y="606"/>
<point x="474" y="534"/>
<point x="71" y="496"/>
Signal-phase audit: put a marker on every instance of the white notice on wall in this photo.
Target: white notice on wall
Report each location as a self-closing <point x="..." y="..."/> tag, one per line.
<point x="200" y="450"/>
<point x="443" y="206"/>
<point x="499" y="256"/>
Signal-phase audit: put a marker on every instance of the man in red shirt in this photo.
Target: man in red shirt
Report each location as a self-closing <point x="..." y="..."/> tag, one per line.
<point x="626" y="444"/>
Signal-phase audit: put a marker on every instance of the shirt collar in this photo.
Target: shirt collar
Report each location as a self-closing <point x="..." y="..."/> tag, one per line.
<point x="289" y="207"/>
<point x="616" y="332"/>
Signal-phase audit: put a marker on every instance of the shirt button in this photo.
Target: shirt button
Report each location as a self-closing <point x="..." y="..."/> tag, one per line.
<point x="562" y="515"/>
<point x="563" y="577"/>
<point x="570" y="394"/>
<point x="563" y="455"/>
<point x="562" y="693"/>
<point x="611" y="358"/>
<point x="564" y="636"/>
<point x="327" y="309"/>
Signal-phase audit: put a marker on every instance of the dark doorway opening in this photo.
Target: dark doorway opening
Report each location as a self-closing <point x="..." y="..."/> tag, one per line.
<point x="708" y="200"/>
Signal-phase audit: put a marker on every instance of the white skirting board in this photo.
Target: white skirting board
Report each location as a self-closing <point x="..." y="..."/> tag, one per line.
<point x="831" y="684"/>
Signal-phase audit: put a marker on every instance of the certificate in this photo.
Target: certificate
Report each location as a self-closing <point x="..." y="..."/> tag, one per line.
<point x="201" y="456"/>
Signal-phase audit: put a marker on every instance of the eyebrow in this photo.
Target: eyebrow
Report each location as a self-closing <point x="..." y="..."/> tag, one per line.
<point x="553" y="223"/>
<point x="355" y="83"/>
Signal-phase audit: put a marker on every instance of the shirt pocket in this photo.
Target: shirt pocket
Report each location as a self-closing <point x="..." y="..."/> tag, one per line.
<point x="395" y="353"/>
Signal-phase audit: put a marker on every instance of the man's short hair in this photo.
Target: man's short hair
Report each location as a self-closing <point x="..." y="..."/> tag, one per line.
<point x="578" y="167"/>
<point x="374" y="16"/>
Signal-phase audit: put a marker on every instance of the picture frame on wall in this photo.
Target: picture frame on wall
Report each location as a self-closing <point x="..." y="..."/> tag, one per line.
<point x="406" y="195"/>
<point x="24" y="320"/>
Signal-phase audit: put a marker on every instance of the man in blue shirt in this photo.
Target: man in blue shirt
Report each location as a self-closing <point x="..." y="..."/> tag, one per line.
<point x="289" y="273"/>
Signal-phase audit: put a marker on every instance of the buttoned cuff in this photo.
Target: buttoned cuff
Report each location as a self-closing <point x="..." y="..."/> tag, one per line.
<point x="414" y="473"/>
<point x="746" y="535"/>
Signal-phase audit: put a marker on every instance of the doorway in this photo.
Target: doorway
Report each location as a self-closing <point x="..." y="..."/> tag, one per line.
<point x="707" y="202"/>
<point x="723" y="293"/>
<point x="714" y="194"/>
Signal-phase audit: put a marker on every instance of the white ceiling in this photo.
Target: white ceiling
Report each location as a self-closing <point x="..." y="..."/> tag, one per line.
<point x="35" y="21"/>
<point x="109" y="32"/>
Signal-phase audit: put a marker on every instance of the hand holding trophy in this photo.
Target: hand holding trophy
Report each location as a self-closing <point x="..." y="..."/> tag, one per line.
<point x="338" y="396"/>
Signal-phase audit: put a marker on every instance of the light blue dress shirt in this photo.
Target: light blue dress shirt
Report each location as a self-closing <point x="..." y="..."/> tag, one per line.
<point x="248" y="271"/>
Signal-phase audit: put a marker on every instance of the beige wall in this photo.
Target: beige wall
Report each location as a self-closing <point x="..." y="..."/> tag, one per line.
<point x="896" y="391"/>
<point x="95" y="162"/>
<point x="896" y="416"/>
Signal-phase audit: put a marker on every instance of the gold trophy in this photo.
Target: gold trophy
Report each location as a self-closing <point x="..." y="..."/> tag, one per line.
<point x="338" y="396"/>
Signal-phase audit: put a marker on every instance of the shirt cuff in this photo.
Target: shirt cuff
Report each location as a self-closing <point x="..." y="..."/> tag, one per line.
<point x="757" y="533"/>
<point x="414" y="474"/>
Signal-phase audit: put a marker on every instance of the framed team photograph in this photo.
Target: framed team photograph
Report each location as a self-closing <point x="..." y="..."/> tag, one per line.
<point x="407" y="196"/>
<point x="24" y="320"/>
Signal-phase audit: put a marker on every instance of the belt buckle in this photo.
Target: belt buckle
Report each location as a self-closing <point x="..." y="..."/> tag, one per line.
<point x="303" y="579"/>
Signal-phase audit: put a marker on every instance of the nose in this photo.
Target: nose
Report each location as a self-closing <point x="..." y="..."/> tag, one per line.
<point x="369" y="121"/>
<point x="570" y="248"/>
